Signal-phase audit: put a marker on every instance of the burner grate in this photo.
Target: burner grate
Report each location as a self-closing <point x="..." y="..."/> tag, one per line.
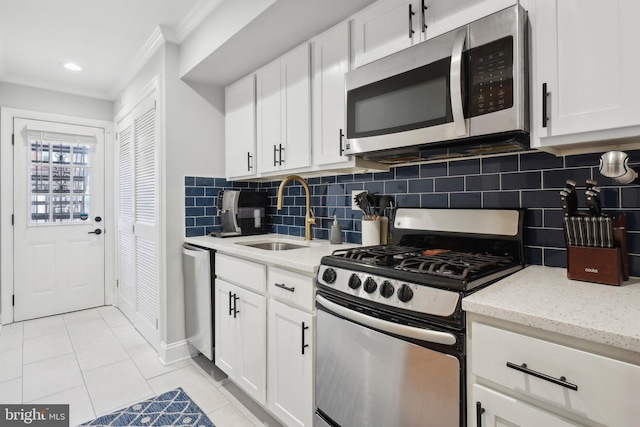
<point x="378" y="255"/>
<point x="459" y="265"/>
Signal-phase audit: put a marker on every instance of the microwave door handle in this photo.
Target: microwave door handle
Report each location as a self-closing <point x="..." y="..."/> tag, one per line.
<point x="426" y="335"/>
<point x="456" y="83"/>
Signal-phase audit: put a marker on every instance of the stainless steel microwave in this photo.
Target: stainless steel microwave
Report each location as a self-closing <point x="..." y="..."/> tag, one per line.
<point x="464" y="90"/>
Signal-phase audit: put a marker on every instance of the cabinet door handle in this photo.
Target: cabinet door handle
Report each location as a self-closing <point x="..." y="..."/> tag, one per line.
<point x="424" y="16"/>
<point x="562" y="381"/>
<point x="340" y="136"/>
<point x="230" y="309"/>
<point x="545" y="96"/>
<point x="235" y="305"/>
<point x="479" y="412"/>
<point x="249" y="156"/>
<point x="304" y="328"/>
<point x="275" y="149"/>
<point x="285" y="287"/>
<point x="280" y="150"/>
<point x="411" y="13"/>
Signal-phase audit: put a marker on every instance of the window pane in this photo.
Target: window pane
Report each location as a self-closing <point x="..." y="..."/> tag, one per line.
<point x="40" y="179"/>
<point x="81" y="208"/>
<point x="40" y="209"/>
<point x="39" y="152"/>
<point x="61" y="179"/>
<point x="81" y="154"/>
<point x="61" y="209"/>
<point x="61" y="154"/>
<point x="80" y="180"/>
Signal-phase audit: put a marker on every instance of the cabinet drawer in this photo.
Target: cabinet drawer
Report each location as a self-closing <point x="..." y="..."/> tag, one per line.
<point x="244" y="273"/>
<point x="603" y="385"/>
<point x="295" y="288"/>
<point x="498" y="409"/>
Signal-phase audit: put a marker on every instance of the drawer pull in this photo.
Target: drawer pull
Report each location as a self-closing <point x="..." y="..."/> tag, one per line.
<point x="285" y="287"/>
<point x="562" y="381"/>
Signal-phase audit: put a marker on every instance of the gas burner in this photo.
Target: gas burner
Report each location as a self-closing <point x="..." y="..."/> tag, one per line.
<point x="455" y="264"/>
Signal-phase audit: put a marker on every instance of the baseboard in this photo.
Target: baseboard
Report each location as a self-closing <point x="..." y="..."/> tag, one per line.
<point x="174" y="352"/>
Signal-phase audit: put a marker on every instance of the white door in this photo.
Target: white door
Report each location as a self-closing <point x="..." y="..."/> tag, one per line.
<point x="240" y="128"/>
<point x="296" y="104"/>
<point x="58" y="218"/>
<point x="251" y="312"/>
<point x="138" y="228"/>
<point x="269" y="117"/>
<point x="290" y="364"/>
<point x="331" y="63"/>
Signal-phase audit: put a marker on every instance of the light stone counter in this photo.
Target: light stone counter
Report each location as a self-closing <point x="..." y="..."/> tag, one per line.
<point x="543" y="298"/>
<point x="305" y="259"/>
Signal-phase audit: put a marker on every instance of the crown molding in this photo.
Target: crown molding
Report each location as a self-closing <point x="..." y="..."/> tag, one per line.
<point x="158" y="38"/>
<point x="198" y="14"/>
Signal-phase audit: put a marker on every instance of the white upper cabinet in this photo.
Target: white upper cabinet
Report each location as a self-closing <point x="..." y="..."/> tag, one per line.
<point x="240" y="129"/>
<point x="331" y="63"/>
<point x="384" y="28"/>
<point x="284" y="112"/>
<point x="585" y="88"/>
<point x="389" y="26"/>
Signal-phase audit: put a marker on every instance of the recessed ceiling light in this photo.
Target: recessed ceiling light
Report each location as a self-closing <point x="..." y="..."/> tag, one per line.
<point x="71" y="66"/>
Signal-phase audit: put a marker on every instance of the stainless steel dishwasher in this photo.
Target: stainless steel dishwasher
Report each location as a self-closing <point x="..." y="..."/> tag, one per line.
<point x="198" y="273"/>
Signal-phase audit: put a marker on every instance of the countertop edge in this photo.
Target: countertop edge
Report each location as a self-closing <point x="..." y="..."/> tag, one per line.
<point x="305" y="260"/>
<point x="543" y="298"/>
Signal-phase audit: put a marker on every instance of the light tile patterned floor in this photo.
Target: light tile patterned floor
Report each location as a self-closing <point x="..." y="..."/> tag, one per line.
<point x="97" y="362"/>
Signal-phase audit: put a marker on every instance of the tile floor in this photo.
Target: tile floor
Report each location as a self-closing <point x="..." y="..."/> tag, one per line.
<point x="97" y="362"/>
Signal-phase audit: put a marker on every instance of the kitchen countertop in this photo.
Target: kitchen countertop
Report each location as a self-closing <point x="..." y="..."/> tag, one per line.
<point x="305" y="259"/>
<point x="543" y="298"/>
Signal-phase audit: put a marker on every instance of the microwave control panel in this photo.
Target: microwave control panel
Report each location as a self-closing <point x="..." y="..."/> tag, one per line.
<point x="491" y="77"/>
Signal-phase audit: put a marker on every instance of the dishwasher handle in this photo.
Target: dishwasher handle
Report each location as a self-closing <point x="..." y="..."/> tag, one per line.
<point x="194" y="251"/>
<point x="426" y="335"/>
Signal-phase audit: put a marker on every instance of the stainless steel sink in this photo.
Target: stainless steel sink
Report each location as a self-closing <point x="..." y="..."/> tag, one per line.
<point x="272" y="246"/>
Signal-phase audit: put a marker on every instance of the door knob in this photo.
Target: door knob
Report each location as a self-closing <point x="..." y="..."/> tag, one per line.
<point x="96" y="231"/>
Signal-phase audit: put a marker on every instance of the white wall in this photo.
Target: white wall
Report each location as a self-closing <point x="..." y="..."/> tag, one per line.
<point x="217" y="28"/>
<point x="192" y="135"/>
<point x="49" y="101"/>
<point x="194" y="147"/>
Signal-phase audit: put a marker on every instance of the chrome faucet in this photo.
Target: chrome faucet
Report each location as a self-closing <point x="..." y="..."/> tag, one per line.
<point x="309" y="218"/>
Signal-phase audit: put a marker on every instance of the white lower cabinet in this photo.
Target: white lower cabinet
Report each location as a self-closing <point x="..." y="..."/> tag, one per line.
<point x="265" y="335"/>
<point x="241" y="337"/>
<point x="518" y="380"/>
<point x="290" y="370"/>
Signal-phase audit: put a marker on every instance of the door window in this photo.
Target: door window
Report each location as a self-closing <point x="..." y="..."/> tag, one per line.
<point x="59" y="178"/>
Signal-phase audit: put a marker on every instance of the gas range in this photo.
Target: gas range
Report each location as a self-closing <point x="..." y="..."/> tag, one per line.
<point x="438" y="257"/>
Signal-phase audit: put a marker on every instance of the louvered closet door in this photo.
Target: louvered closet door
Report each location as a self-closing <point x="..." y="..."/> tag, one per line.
<point x="138" y="233"/>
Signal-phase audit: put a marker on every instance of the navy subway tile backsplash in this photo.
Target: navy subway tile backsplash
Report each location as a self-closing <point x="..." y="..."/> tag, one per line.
<point x="530" y="180"/>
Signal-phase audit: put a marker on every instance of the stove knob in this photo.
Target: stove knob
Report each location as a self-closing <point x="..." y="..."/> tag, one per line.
<point x="329" y="275"/>
<point x="370" y="285"/>
<point x="354" y="281"/>
<point x="405" y="293"/>
<point x="386" y="289"/>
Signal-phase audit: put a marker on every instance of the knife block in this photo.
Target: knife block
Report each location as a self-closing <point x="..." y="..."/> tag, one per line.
<point x="609" y="266"/>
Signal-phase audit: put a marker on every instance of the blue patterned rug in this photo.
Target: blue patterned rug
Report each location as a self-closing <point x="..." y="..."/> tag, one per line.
<point x="173" y="408"/>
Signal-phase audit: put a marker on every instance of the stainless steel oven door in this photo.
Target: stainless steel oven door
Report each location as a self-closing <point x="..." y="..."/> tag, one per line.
<point x="366" y="378"/>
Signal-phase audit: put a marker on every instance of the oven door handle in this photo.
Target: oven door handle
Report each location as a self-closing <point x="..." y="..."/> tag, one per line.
<point x="455" y="83"/>
<point x="426" y="335"/>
